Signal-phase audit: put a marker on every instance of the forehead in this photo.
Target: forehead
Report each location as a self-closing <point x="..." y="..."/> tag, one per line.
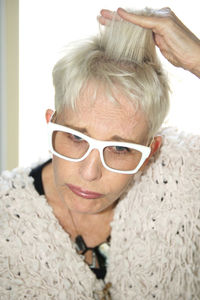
<point x="103" y="115"/>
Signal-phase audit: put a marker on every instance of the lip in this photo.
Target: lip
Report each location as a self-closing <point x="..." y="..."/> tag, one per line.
<point x="84" y="193"/>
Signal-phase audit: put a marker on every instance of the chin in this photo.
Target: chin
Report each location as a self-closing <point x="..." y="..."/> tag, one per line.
<point x="91" y="208"/>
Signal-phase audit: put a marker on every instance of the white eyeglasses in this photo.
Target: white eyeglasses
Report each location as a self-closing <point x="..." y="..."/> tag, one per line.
<point x="119" y="157"/>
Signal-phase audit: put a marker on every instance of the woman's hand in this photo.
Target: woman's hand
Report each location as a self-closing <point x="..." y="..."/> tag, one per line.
<point x="175" y="41"/>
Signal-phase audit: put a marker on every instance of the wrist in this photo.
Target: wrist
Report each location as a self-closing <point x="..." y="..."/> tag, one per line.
<point x="195" y="69"/>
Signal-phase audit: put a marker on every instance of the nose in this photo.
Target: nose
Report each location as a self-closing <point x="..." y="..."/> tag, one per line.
<point x="91" y="166"/>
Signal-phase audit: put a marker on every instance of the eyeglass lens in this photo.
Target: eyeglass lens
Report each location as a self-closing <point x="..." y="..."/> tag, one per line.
<point x="115" y="157"/>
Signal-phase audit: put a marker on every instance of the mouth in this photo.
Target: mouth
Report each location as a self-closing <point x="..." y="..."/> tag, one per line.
<point x="84" y="193"/>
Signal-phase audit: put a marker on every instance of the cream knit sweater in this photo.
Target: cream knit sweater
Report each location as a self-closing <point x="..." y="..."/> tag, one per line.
<point x="155" y="240"/>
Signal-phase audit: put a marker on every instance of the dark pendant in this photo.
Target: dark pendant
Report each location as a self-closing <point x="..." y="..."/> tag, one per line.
<point x="80" y="244"/>
<point x="102" y="253"/>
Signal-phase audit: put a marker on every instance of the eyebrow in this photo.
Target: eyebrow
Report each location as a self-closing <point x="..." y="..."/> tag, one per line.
<point x="115" y="138"/>
<point x="80" y="129"/>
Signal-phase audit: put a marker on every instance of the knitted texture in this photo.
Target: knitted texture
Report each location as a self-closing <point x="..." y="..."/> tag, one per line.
<point x="155" y="238"/>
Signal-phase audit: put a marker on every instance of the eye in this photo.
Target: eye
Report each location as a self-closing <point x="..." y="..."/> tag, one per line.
<point x="76" y="137"/>
<point x="119" y="149"/>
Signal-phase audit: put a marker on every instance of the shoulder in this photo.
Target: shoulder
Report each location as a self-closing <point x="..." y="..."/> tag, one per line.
<point x="18" y="197"/>
<point x="171" y="180"/>
<point x="170" y="185"/>
<point x="177" y="143"/>
<point x="19" y="202"/>
<point x="18" y="193"/>
<point x="17" y="179"/>
<point x="178" y="158"/>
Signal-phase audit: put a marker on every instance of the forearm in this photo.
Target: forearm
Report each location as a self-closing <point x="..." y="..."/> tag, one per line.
<point x="196" y="70"/>
<point x="197" y="73"/>
<point x="196" y="66"/>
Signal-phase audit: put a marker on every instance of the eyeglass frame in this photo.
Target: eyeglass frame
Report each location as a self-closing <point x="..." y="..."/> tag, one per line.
<point x="96" y="144"/>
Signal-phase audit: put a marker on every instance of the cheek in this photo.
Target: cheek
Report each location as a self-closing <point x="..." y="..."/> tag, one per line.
<point x="63" y="170"/>
<point x="118" y="183"/>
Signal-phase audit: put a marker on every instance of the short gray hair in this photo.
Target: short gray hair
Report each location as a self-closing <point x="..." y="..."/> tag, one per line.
<point x="122" y="56"/>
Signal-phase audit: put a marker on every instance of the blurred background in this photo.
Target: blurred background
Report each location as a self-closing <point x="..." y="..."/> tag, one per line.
<point x="33" y="34"/>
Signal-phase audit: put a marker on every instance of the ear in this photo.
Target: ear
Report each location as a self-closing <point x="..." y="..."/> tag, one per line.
<point x="48" y="115"/>
<point x="155" y="146"/>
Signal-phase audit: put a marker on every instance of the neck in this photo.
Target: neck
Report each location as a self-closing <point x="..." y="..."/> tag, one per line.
<point x="94" y="228"/>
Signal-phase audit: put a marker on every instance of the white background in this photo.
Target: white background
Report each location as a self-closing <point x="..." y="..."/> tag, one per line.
<point x="46" y="26"/>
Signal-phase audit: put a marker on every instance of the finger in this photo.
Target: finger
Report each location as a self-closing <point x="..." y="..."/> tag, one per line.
<point x="143" y="21"/>
<point x="108" y="14"/>
<point x="102" y="20"/>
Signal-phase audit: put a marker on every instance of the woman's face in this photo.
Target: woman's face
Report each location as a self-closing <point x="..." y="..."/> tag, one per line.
<point x="86" y="186"/>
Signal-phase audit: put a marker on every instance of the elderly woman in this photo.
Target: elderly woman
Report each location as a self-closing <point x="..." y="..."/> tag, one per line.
<point x="113" y="215"/>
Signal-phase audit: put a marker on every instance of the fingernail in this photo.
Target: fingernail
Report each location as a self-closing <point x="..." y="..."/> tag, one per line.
<point x="106" y="11"/>
<point x="100" y="19"/>
<point x="121" y="9"/>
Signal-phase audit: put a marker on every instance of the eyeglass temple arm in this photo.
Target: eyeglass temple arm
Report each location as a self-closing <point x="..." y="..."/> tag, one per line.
<point x="52" y="116"/>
